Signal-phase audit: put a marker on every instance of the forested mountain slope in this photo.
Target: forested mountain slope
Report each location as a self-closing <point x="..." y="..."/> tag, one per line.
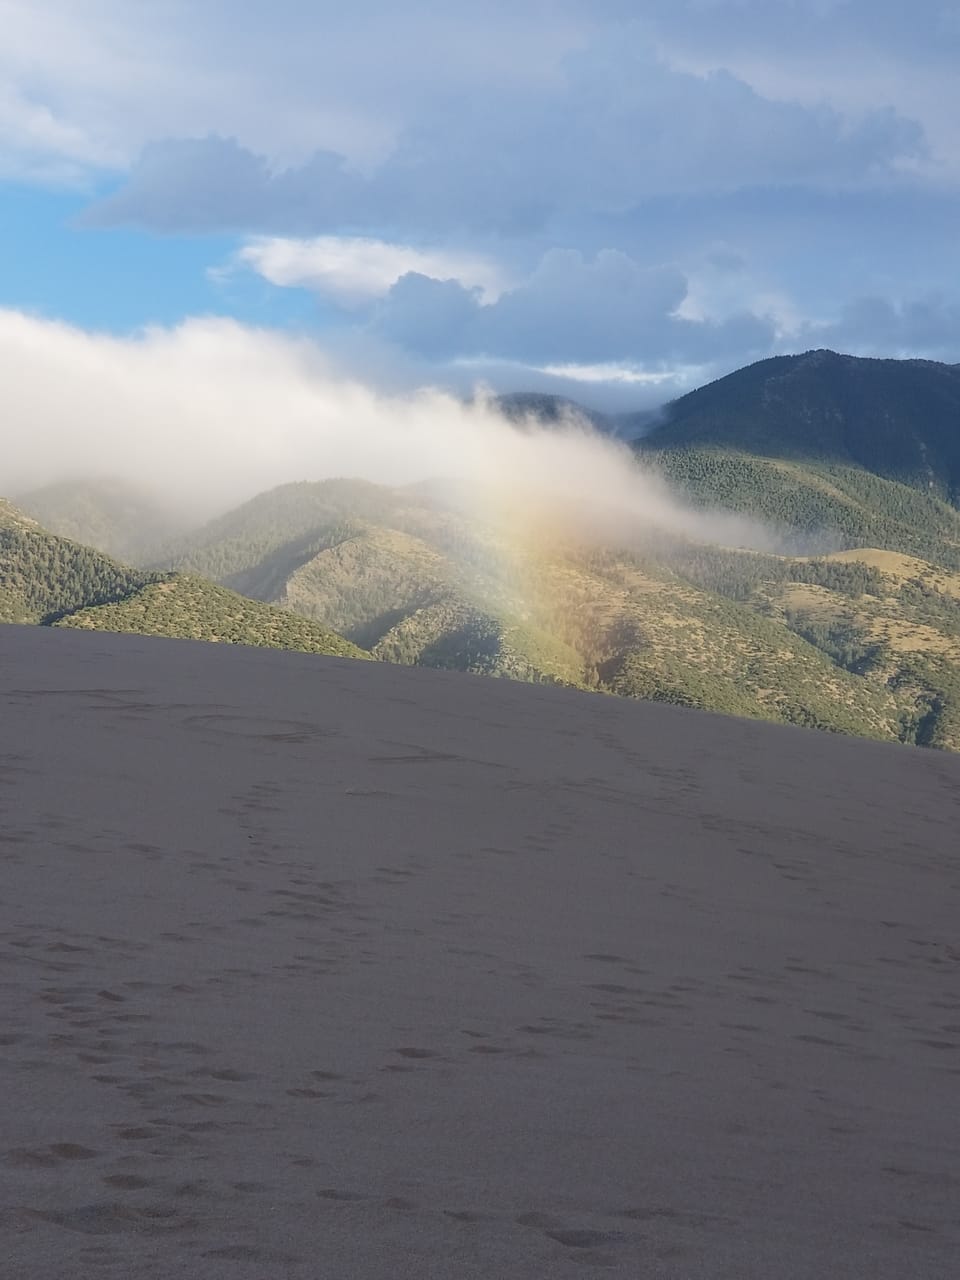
<point x="43" y="577"/>
<point x="854" y="628"/>
<point x="671" y="620"/>
<point x="52" y="581"/>
<point x="899" y="419"/>
<point x="814" y="505"/>
<point x="185" y="607"/>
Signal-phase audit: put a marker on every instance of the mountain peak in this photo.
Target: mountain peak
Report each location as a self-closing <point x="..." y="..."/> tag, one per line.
<point x="899" y="419"/>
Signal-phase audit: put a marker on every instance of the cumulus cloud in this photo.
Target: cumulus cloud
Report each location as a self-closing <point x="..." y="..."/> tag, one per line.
<point x="572" y="310"/>
<point x="214" y="183"/>
<point x="727" y="25"/>
<point x="306" y="76"/>
<point x="39" y="145"/>
<point x="355" y="270"/>
<point x="286" y="80"/>
<point x="211" y="413"/>
<point x="422" y="161"/>
<point x="618" y="128"/>
<point x="858" y="55"/>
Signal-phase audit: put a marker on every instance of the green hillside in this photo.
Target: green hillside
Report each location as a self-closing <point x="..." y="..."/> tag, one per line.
<point x="282" y="525"/>
<point x="837" y="452"/>
<point x="402" y="575"/>
<point x="843" y="451"/>
<point x="811" y="503"/>
<point x="43" y="577"/>
<point x="890" y="620"/>
<point x="190" y="608"/>
<point x="854" y="628"/>
<point x="715" y="628"/>
<point x="52" y="581"/>
<point x="898" y="419"/>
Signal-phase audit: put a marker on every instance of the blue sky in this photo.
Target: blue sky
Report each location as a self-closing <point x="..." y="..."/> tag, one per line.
<point x="616" y="200"/>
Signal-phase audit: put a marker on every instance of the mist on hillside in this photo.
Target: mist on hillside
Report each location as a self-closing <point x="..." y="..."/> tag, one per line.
<point x="210" y="413"/>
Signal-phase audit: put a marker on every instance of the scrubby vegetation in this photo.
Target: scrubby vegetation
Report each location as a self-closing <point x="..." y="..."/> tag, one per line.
<point x="853" y="627"/>
<point x="53" y="581"/>
<point x="812" y="505"/>
<point x="190" y="608"/>
<point x="711" y="627"/>
<point x="43" y="577"/>
<point x="896" y="419"/>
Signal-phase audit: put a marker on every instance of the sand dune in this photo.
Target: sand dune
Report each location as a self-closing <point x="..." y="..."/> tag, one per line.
<point x="320" y="969"/>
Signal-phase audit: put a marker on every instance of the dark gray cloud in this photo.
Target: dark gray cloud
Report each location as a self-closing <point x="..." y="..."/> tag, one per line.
<point x="926" y="31"/>
<point x="615" y="128"/>
<point x="757" y="163"/>
<point x="212" y="184"/>
<point x="570" y="310"/>
<point x="876" y="326"/>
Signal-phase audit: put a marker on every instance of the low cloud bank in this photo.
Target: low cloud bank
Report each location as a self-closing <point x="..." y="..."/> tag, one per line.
<point x="209" y="413"/>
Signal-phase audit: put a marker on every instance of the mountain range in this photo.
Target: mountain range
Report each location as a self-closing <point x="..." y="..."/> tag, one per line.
<point x="53" y="581"/>
<point x="897" y="419"/>
<point x="855" y="463"/>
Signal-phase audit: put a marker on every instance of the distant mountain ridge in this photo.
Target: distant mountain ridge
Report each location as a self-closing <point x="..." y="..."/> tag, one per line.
<point x="104" y="512"/>
<point x="552" y="409"/>
<point x="52" y="581"/>
<point x="899" y="419"/>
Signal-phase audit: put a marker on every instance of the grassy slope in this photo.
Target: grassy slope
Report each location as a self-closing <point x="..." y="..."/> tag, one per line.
<point x="860" y="454"/>
<point x="390" y="569"/>
<point x="53" y="581"/>
<point x="190" y="608"/>
<point x="905" y="635"/>
<point x="418" y="585"/>
<point x="751" y="635"/>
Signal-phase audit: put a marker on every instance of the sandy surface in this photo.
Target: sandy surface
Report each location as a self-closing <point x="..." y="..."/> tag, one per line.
<point x="319" y="969"/>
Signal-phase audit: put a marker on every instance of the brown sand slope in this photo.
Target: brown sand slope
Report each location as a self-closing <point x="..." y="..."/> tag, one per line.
<point x="320" y="969"/>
